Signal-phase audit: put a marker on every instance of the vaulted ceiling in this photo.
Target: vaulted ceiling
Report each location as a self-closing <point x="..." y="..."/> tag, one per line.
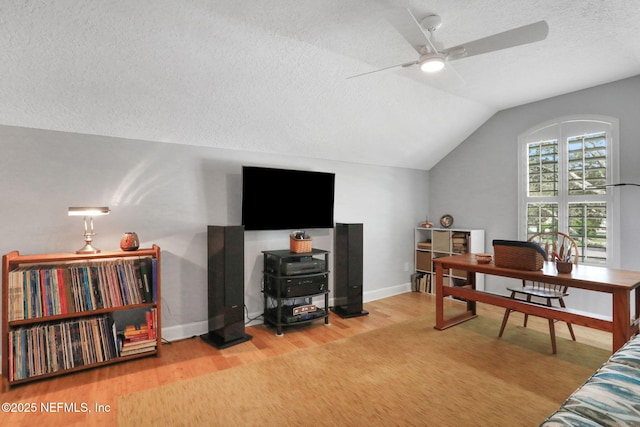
<point x="271" y="76"/>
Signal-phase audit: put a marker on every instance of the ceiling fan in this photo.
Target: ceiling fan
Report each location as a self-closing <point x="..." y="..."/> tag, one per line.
<point x="432" y="60"/>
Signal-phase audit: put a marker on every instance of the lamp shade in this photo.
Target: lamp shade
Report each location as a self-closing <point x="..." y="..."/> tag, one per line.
<point x="89" y="211"/>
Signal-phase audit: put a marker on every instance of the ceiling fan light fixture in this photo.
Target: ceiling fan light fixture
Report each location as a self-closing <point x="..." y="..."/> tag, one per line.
<point x="433" y="64"/>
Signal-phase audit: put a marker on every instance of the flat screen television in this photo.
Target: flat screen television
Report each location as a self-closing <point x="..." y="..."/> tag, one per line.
<point x="286" y="199"/>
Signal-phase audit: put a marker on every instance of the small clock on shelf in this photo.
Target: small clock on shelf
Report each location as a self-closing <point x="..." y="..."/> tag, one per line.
<point x="446" y="221"/>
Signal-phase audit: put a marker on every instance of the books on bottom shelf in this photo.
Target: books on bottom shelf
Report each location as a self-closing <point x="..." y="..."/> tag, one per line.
<point x="135" y="347"/>
<point x="45" y="348"/>
<point x="139" y="338"/>
<point x="421" y="282"/>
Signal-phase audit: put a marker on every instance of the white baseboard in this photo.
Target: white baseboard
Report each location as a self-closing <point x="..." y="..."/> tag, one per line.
<point x="386" y="292"/>
<point x="188" y="330"/>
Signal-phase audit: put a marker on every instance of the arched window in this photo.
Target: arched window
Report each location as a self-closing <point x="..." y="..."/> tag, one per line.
<point x="563" y="168"/>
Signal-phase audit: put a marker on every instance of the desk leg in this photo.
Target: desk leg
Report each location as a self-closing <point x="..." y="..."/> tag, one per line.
<point x="441" y="323"/>
<point x="471" y="280"/>
<point x="621" y="317"/>
<point x="439" y="297"/>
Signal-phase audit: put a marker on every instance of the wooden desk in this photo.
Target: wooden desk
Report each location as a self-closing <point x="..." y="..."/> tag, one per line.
<point x="618" y="283"/>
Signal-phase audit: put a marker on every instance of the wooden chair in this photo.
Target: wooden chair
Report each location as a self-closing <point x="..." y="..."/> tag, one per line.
<point x="552" y="242"/>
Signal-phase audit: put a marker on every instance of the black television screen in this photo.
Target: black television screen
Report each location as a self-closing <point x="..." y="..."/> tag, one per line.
<point x="286" y="199"/>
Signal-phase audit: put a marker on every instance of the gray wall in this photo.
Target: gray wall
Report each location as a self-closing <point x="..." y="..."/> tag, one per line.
<point x="477" y="182"/>
<point x="169" y="193"/>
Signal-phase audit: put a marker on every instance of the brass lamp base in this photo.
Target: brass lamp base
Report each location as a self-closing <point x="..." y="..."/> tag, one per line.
<point x="88" y="249"/>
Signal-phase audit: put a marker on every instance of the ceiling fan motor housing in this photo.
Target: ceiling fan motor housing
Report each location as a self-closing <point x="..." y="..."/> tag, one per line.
<point x="431" y="22"/>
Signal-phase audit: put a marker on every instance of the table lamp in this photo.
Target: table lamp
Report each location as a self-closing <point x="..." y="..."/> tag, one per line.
<point x="88" y="213"/>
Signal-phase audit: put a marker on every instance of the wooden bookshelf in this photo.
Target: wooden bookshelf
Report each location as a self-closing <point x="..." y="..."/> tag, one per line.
<point x="66" y="312"/>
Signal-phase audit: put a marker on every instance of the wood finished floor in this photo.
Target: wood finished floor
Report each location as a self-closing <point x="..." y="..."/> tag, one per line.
<point x="193" y="357"/>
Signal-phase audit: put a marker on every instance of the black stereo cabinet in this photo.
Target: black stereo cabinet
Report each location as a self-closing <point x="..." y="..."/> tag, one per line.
<point x="225" y="272"/>
<point x="348" y="276"/>
<point x="291" y="280"/>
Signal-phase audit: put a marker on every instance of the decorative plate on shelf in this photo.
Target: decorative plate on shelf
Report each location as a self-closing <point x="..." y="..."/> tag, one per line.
<point x="446" y="221"/>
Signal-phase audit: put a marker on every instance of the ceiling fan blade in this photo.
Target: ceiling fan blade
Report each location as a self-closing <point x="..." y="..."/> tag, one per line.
<point x="406" y="64"/>
<point x="409" y="28"/>
<point x="452" y="70"/>
<point x="518" y="36"/>
<point x="426" y="36"/>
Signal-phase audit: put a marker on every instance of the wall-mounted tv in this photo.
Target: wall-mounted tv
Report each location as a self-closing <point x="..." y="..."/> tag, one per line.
<point x="286" y="199"/>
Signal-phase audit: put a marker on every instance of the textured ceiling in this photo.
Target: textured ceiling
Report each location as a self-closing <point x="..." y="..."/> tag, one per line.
<point x="270" y="76"/>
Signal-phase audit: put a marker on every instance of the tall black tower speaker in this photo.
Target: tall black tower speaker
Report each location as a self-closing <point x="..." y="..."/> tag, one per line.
<point x="348" y="266"/>
<point x="225" y="271"/>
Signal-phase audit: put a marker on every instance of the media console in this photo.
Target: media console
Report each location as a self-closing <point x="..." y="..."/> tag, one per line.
<point x="291" y="281"/>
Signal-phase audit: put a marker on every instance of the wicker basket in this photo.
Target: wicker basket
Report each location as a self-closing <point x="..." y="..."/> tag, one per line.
<point x="299" y="246"/>
<point x="518" y="255"/>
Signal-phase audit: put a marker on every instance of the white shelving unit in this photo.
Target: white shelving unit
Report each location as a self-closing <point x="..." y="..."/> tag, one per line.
<point x="432" y="243"/>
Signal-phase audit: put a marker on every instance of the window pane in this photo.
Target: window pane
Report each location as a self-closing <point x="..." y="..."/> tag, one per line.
<point x="543" y="168"/>
<point x="541" y="217"/>
<point x="588" y="227"/>
<point x="587" y="164"/>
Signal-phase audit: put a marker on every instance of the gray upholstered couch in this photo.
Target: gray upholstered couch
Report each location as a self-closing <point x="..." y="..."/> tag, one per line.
<point x="611" y="397"/>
